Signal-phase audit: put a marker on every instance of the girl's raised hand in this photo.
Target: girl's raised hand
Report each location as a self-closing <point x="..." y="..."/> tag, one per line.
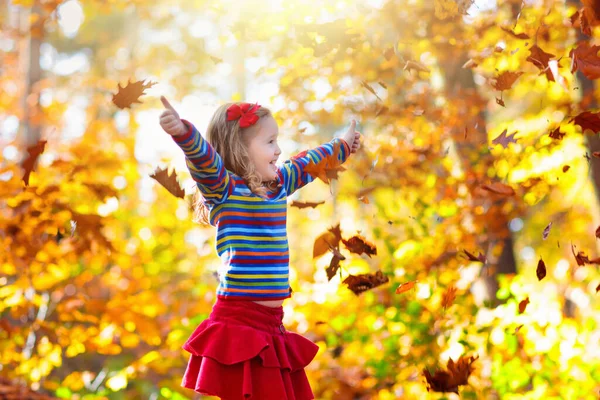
<point x="170" y="121"/>
<point x="352" y="137"/>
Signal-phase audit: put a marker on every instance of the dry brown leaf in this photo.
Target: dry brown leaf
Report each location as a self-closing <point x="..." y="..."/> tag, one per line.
<point x="456" y="374"/>
<point x="306" y="204"/>
<point x="540" y="271"/>
<point x="523" y="305"/>
<point x="499" y="188"/>
<point x="168" y="181"/>
<point x="359" y="245"/>
<point x="29" y="163"/>
<point x="505" y="80"/>
<point x="405" y="287"/>
<point x="363" y="282"/>
<point x="131" y="93"/>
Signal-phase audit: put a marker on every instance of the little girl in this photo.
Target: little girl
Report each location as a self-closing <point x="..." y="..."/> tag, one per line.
<point x="243" y="351"/>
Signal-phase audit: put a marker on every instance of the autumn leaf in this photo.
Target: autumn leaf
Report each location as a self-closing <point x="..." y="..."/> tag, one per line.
<point x="370" y="89"/>
<point x="557" y="134"/>
<point x="547" y="231"/>
<point x="581" y="258"/>
<point x="500" y="102"/>
<point x="168" y="181"/>
<point x="334" y="264"/>
<point x="598" y="232"/>
<point x="448" y="297"/>
<point x="499" y="188"/>
<point x="481" y="258"/>
<point x="413" y="65"/>
<point x="456" y="374"/>
<point x="521" y="35"/>
<point x="584" y="58"/>
<point x="359" y="245"/>
<point x="566" y="168"/>
<point x="505" y="140"/>
<point x="29" y="163"/>
<point x="587" y="120"/>
<point x="405" y="287"/>
<point x="131" y="93"/>
<point x="505" y="80"/>
<point x="306" y="204"/>
<point x="598" y="288"/>
<point x="541" y="270"/>
<point x="328" y="240"/>
<point x="328" y="168"/>
<point x="363" y="282"/>
<point x="523" y="305"/>
<point x="540" y="59"/>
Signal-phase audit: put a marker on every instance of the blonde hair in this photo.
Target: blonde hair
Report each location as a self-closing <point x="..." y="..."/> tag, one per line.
<point x="231" y="141"/>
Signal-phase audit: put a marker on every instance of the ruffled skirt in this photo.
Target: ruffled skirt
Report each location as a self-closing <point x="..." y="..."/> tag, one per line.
<point x="242" y="351"/>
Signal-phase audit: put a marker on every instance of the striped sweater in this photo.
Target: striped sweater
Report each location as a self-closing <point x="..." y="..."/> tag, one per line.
<point x="251" y="230"/>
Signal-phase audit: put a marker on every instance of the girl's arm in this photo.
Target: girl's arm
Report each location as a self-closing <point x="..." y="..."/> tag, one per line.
<point x="203" y="162"/>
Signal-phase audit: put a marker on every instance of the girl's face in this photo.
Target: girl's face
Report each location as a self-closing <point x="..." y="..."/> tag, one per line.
<point x="263" y="148"/>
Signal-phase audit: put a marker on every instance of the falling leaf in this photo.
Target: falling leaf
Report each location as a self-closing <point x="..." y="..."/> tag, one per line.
<point x="598" y="232"/>
<point x="381" y="111"/>
<point x="598" y="288"/>
<point x="523" y="305"/>
<point x="481" y="258"/>
<point x="358" y="245"/>
<point x="306" y="204"/>
<point x="363" y="282"/>
<point x="130" y="94"/>
<point x="169" y="182"/>
<point x="505" y="80"/>
<point x="405" y="287"/>
<point x="547" y="231"/>
<point x="328" y="168"/>
<point x="541" y="270"/>
<point x="517" y="329"/>
<point x="448" y="297"/>
<point x="413" y="65"/>
<point x="389" y="53"/>
<point x="500" y="102"/>
<point x="29" y="163"/>
<point x="383" y="85"/>
<point x="521" y="35"/>
<point x="470" y="64"/>
<point x="456" y="374"/>
<point x="585" y="59"/>
<point x="587" y="120"/>
<point x="334" y="264"/>
<point x="370" y="89"/>
<point x="581" y="258"/>
<point x="326" y="241"/>
<point x="505" y="140"/>
<point x="540" y="59"/>
<point x="566" y="168"/>
<point x="557" y="134"/>
<point x="499" y="188"/>
<point x="216" y="60"/>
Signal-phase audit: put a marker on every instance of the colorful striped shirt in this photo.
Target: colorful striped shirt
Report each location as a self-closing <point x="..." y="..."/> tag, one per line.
<point x="251" y="230"/>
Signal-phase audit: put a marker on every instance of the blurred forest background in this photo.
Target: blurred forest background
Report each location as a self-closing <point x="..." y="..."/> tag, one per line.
<point x="478" y="183"/>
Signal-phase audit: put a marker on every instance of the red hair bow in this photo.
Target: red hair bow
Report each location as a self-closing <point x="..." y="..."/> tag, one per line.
<point x="245" y="112"/>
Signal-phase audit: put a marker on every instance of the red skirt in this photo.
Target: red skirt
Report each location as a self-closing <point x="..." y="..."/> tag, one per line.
<point x="242" y="351"/>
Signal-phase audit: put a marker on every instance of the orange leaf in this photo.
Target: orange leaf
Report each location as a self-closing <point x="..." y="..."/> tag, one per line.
<point x="540" y="59"/>
<point x="457" y="374"/>
<point x="328" y="168"/>
<point x="566" y="168"/>
<point x="523" y="305"/>
<point x="505" y="80"/>
<point x="499" y="188"/>
<point x="29" y="163"/>
<point x="363" y="282"/>
<point x="448" y="297"/>
<point x="323" y="243"/>
<point x="169" y="182"/>
<point x="405" y="287"/>
<point x="131" y="93"/>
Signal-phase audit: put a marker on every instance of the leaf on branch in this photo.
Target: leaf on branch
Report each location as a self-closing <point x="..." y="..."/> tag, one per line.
<point x="587" y="120"/>
<point x="541" y="270"/>
<point x="405" y="287"/>
<point x="29" y="163"/>
<point x="363" y="282"/>
<point x="131" y="93"/>
<point x="505" y="80"/>
<point x="169" y="182"/>
<point x="358" y="245"/>
<point x="456" y="374"/>
<point x="306" y="204"/>
<point x="505" y="140"/>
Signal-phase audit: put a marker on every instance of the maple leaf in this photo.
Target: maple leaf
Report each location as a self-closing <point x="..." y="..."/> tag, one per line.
<point x="131" y="93"/>
<point x="363" y="282"/>
<point x="456" y="374"/>
<point x="547" y="231"/>
<point x="29" y="163"/>
<point x="505" y="80"/>
<point x="505" y="140"/>
<point x="481" y="258"/>
<point x="306" y="204"/>
<point x="521" y="35"/>
<point x="168" y="181"/>
<point x="589" y="16"/>
<point x="448" y="297"/>
<point x="587" y="120"/>
<point x="499" y="188"/>
<point x="328" y="168"/>
<point x="541" y="270"/>
<point x="540" y="59"/>
<point x="584" y="58"/>
<point x="405" y="287"/>
<point x="557" y="134"/>
<point x="358" y="245"/>
<point x="523" y="305"/>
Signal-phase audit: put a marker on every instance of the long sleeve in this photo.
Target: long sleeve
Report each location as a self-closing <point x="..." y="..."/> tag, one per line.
<point x="292" y="173"/>
<point x="205" y="165"/>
